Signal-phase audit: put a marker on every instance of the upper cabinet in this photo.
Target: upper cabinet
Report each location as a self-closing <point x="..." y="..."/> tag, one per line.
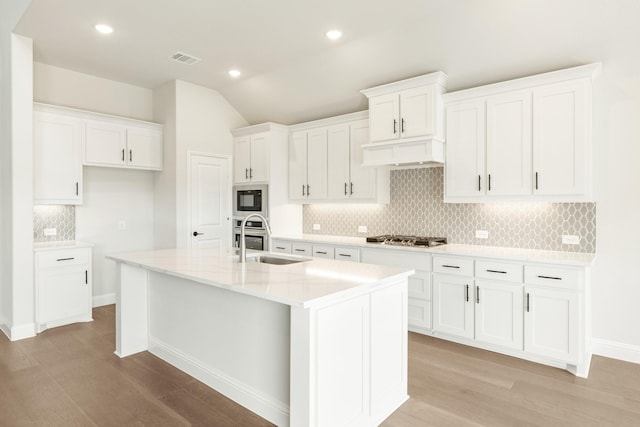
<point x="526" y="139"/>
<point x="325" y="162"/>
<point x="250" y="158"/>
<point x="406" y="122"/>
<point x="57" y="159"/>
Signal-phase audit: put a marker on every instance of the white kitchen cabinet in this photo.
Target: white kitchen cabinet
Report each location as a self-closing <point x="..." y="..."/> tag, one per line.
<point x="453" y="305"/>
<point x="342" y="253"/>
<point x="251" y="159"/>
<point x="114" y="143"/>
<point x="498" y="313"/>
<point x="526" y="139"/>
<point x="281" y="246"/>
<point x="63" y="286"/>
<point x="308" y="168"/>
<point x="301" y="248"/>
<point x="323" y="251"/>
<point x="57" y="159"/>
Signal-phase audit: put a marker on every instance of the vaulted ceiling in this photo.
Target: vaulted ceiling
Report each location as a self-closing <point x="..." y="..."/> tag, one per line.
<point x="292" y="73"/>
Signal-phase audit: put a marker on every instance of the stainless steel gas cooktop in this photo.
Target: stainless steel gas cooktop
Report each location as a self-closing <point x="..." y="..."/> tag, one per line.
<point x="398" y="240"/>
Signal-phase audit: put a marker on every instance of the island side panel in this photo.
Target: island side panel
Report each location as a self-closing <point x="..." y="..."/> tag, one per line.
<point x="349" y="359"/>
<point x="131" y="310"/>
<point x="234" y="343"/>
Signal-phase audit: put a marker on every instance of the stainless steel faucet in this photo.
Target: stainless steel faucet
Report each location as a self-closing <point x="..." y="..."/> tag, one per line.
<point x="243" y="244"/>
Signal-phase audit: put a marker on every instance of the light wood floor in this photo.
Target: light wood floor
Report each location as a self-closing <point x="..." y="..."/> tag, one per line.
<point x="69" y="376"/>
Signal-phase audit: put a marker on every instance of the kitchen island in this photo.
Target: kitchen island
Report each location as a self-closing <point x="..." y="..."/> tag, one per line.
<point x="312" y="343"/>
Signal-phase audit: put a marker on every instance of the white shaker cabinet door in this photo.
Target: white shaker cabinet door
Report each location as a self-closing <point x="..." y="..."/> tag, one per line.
<point x="453" y="305"/>
<point x="298" y="166"/>
<point x="339" y="183"/>
<point x="57" y="164"/>
<point x="144" y="148"/>
<point x="417" y="111"/>
<point x="384" y="115"/>
<point x="259" y="165"/>
<point x="509" y="144"/>
<point x="498" y="313"/>
<point x="560" y="131"/>
<point x="241" y="159"/>
<point x="363" y="179"/>
<point x="465" y="150"/>
<point x="317" y="172"/>
<point x="106" y="144"/>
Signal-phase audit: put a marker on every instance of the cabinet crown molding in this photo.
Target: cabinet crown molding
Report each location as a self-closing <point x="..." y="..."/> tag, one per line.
<point x="438" y="77"/>
<point x="590" y="71"/>
<point x="91" y="115"/>
<point x="262" y="127"/>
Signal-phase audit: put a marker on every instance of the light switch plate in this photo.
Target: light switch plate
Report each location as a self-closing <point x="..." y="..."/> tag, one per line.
<point x="482" y="234"/>
<point x="50" y="231"/>
<point x="362" y="229"/>
<point x="570" y="239"/>
<point x="316" y="227"/>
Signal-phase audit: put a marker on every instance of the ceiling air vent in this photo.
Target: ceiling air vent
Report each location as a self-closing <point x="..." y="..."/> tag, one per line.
<point x="184" y="58"/>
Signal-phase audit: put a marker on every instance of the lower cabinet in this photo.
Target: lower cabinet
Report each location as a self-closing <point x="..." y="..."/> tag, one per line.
<point x="453" y="305"/>
<point x="63" y="287"/>
<point x="498" y="317"/>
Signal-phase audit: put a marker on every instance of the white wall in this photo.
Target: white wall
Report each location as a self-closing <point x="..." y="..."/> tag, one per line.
<point x="203" y="122"/>
<point x="110" y="194"/>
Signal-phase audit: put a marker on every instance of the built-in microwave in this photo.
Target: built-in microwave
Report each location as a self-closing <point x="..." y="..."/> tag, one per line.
<point x="248" y="199"/>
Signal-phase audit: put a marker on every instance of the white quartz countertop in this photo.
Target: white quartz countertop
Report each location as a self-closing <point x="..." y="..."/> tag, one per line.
<point x="314" y="281"/>
<point x="514" y="254"/>
<point x="64" y="244"/>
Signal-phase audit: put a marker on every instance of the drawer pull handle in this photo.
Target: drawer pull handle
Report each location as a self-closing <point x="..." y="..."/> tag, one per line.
<point x="550" y="277"/>
<point x="86" y="277"/>
<point x="467" y="292"/>
<point x="496" y="271"/>
<point x="345" y="255"/>
<point x="280" y="247"/>
<point x="450" y="266"/>
<point x="321" y="252"/>
<point x="64" y="259"/>
<point x="299" y="250"/>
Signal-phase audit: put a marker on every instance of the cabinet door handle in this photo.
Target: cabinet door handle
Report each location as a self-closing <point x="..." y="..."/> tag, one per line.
<point x="345" y="188"/>
<point x="65" y="259"/>
<point x="477" y="294"/>
<point x="123" y="155"/>
<point x="131" y="155"/>
<point x="303" y="189"/>
<point x="352" y="188"/>
<point x="450" y="266"/>
<point x="299" y="250"/>
<point x="467" y="292"/>
<point x="246" y="173"/>
<point x="402" y="126"/>
<point x="527" y="302"/>
<point x="536" y="180"/>
<point x="308" y="190"/>
<point x="77" y="188"/>
<point x="395" y="126"/>
<point x="345" y="255"/>
<point x="489" y="184"/>
<point x="479" y="183"/>
<point x="250" y="173"/>
<point x="496" y="271"/>
<point x="280" y="247"/>
<point x="550" y="277"/>
<point x="321" y="252"/>
<point x="86" y="277"/>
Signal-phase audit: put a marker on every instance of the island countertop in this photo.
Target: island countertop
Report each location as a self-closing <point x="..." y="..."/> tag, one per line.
<point x="313" y="281"/>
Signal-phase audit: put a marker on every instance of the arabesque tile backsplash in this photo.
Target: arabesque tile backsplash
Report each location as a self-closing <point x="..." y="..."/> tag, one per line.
<point x="62" y="218"/>
<point x="417" y="208"/>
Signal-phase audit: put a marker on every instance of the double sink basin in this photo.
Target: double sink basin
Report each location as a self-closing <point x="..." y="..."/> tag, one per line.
<point x="270" y="258"/>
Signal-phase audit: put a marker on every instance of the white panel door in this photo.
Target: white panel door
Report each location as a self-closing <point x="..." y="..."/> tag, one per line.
<point x="551" y="323"/>
<point x="499" y="314"/>
<point x="384" y="113"/>
<point x="560" y="120"/>
<point x="241" y="159"/>
<point x="509" y="144"/>
<point x="259" y="166"/>
<point x="453" y="305"/>
<point x="338" y="177"/>
<point x="57" y="165"/>
<point x="144" y="148"/>
<point x="317" y="172"/>
<point x="63" y="293"/>
<point x="209" y="201"/>
<point x="298" y="166"/>
<point x="465" y="150"/>
<point x="417" y="111"/>
<point x="363" y="179"/>
<point x="106" y="144"/>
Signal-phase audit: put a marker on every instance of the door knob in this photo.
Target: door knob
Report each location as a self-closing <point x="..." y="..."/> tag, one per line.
<point x="196" y="234"/>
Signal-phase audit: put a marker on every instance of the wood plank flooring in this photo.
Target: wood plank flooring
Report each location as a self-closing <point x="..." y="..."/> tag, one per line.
<point x="69" y="376"/>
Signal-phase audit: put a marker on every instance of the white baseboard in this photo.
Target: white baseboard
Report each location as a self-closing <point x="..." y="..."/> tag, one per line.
<point x="104" y="299"/>
<point x="20" y="332"/>
<point x="5" y="328"/>
<point x="252" y="399"/>
<point x="616" y="350"/>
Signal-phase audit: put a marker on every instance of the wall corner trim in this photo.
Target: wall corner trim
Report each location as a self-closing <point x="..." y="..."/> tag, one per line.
<point x="616" y="350"/>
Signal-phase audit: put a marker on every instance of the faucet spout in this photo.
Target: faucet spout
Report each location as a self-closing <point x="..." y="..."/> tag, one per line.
<point x="243" y="244"/>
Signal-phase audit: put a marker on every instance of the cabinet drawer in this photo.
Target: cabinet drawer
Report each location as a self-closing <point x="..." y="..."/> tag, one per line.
<point x="397" y="258"/>
<point x="347" y="254"/>
<point x="281" y="247"/>
<point x="453" y="265"/>
<point x="323" y="251"/>
<point x="552" y="275"/>
<point x="419" y="313"/>
<point x="62" y="258"/>
<point x="420" y="286"/>
<point x="300" y="248"/>
<point x="510" y="272"/>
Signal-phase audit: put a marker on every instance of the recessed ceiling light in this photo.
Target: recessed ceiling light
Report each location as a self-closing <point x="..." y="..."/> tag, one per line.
<point x="103" y="28"/>
<point x="334" y="34"/>
<point x="234" y="73"/>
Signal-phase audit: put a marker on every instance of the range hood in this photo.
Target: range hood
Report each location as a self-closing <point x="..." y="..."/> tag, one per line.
<point x="407" y="153"/>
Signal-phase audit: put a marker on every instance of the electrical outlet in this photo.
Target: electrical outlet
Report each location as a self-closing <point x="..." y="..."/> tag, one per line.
<point x="362" y="229"/>
<point x="122" y="225"/>
<point x="50" y="231"/>
<point x="569" y="239"/>
<point x="316" y="227"/>
<point x="482" y="234"/>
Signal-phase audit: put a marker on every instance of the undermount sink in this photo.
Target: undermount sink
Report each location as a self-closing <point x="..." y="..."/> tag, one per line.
<point x="268" y="259"/>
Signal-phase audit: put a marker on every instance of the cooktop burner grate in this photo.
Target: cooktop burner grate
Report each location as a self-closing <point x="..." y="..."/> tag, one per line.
<point x="400" y="240"/>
